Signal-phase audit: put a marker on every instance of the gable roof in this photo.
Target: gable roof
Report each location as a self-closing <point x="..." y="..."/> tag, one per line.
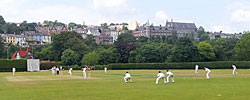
<point x="21" y="52"/>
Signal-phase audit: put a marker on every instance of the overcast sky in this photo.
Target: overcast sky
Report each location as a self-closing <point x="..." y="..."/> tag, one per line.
<point x="215" y="15"/>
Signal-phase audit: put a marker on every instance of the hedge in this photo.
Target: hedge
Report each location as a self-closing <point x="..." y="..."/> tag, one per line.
<point x="7" y="65"/>
<point x="181" y="65"/>
<point x="45" y="65"/>
<point x="101" y="67"/>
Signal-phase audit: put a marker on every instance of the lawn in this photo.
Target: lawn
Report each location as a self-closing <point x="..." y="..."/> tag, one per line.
<point x="110" y="86"/>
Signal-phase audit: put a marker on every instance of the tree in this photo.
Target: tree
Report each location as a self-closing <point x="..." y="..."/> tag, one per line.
<point x="90" y="59"/>
<point x="165" y="51"/>
<point x="206" y="51"/>
<point x="204" y="37"/>
<point x="124" y="44"/>
<point x="2" y="48"/>
<point x="201" y="31"/>
<point x="224" y="48"/>
<point x="24" y="26"/>
<point x="184" y="51"/>
<point x="108" y="56"/>
<point x="45" y="52"/>
<point x="147" y="52"/>
<point x="90" y="41"/>
<point x="243" y="47"/>
<point x="71" y="25"/>
<point x="2" y="21"/>
<point x="10" y="28"/>
<point x="68" y="40"/>
<point x="143" y="39"/>
<point x="69" y="57"/>
<point x="104" y="25"/>
<point x="171" y="39"/>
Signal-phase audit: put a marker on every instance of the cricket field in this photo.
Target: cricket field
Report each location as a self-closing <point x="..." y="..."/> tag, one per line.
<point x="110" y="86"/>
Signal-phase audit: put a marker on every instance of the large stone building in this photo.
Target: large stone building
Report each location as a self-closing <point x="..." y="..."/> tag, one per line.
<point x="171" y="28"/>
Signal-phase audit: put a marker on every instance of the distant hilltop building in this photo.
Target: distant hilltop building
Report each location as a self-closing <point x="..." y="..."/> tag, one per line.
<point x="51" y="29"/>
<point x="215" y="35"/>
<point x="179" y="29"/>
<point x="133" y="25"/>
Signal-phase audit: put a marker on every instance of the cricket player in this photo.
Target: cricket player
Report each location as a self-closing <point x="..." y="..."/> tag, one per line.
<point x="196" y="68"/>
<point x="14" y="71"/>
<point x="170" y="74"/>
<point x="160" y="76"/>
<point x="61" y="69"/>
<point x="57" y="71"/>
<point x="105" y="69"/>
<point x="70" y="71"/>
<point x="84" y="72"/>
<point x="208" y="72"/>
<point x="234" y="69"/>
<point x="53" y="70"/>
<point x="127" y="77"/>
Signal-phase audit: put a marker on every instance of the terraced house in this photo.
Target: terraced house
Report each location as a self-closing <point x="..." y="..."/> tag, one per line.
<point x="51" y="29"/>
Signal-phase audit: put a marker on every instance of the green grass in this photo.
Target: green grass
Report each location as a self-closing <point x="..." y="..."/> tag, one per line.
<point x="110" y="86"/>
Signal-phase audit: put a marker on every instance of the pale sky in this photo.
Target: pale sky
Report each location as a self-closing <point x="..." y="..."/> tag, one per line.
<point x="214" y="15"/>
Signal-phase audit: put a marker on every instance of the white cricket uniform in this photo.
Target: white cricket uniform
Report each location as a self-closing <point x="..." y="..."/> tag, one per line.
<point x="105" y="70"/>
<point x="127" y="77"/>
<point x="70" y="71"/>
<point x="170" y="74"/>
<point x="196" y="69"/>
<point x="13" y="71"/>
<point x="208" y="72"/>
<point x="53" y="70"/>
<point x="234" y="69"/>
<point x="84" y="72"/>
<point x="160" y="76"/>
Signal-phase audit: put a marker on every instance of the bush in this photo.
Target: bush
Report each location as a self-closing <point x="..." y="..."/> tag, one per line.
<point x="183" y="65"/>
<point x="7" y="65"/>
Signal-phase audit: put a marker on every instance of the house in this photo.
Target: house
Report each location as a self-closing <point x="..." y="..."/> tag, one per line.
<point x="37" y="38"/>
<point x="110" y="32"/>
<point x="104" y="39"/>
<point x="93" y="31"/>
<point x="171" y="28"/>
<point x="51" y="29"/>
<point x="79" y="30"/>
<point x="20" y="54"/>
<point x="215" y="35"/>
<point x="21" y="40"/>
<point x="46" y="38"/>
<point x="9" y="38"/>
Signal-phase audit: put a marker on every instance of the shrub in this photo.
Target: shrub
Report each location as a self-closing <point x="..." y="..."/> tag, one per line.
<point x="182" y="65"/>
<point x="7" y="65"/>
